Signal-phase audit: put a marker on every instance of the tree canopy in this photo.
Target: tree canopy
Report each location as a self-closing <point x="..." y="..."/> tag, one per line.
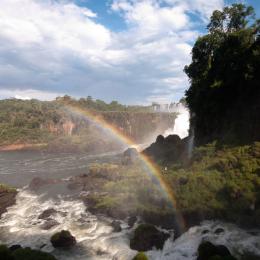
<point x="225" y="77"/>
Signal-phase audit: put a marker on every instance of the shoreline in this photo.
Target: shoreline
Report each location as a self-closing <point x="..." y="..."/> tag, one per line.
<point x="20" y="147"/>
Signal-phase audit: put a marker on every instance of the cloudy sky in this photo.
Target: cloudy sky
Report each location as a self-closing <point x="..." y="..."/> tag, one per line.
<point x="132" y="51"/>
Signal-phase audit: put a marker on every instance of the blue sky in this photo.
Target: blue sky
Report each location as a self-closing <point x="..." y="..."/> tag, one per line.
<point x="132" y="51"/>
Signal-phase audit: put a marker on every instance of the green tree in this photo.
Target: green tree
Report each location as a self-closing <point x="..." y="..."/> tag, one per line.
<point x="225" y="77"/>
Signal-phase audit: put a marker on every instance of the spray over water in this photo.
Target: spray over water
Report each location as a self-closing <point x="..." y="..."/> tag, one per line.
<point x="181" y="124"/>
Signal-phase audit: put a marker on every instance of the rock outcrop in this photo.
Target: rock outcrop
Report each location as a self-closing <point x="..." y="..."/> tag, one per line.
<point x="7" y="198"/>
<point x="63" y="239"/>
<point x="208" y="251"/>
<point x="168" y="149"/>
<point x="146" y="237"/>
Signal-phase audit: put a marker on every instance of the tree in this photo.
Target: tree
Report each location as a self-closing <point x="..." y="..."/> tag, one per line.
<point x="224" y="76"/>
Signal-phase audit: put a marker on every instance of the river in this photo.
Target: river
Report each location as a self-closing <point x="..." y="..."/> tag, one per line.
<point x="95" y="236"/>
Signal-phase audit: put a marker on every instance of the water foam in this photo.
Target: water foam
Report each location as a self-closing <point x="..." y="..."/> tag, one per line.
<point x="96" y="239"/>
<point x="182" y="123"/>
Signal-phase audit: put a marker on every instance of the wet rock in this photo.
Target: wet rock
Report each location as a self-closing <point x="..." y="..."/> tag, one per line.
<point x="38" y="182"/>
<point x="146" y="237"/>
<point x="7" y="199"/>
<point x="205" y="231"/>
<point x="129" y="156"/>
<point x="219" y="231"/>
<point x="63" y="239"/>
<point x="249" y="256"/>
<point x="23" y="254"/>
<point x="183" y="181"/>
<point x="116" y="226"/>
<point x="140" y="256"/>
<point x="208" y="251"/>
<point x="167" y="150"/>
<point x="50" y="223"/>
<point x="131" y="221"/>
<point x="42" y="246"/>
<point x="47" y="213"/>
<point x="14" y="247"/>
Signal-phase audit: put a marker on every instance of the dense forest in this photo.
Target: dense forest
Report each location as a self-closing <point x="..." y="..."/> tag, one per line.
<point x="225" y="78"/>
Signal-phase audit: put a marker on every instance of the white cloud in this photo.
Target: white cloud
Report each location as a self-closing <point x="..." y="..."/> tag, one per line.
<point x="49" y="47"/>
<point x="27" y="94"/>
<point x="203" y="7"/>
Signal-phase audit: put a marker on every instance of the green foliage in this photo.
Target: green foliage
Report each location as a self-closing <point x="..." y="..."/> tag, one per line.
<point x="29" y="254"/>
<point x="23" y="254"/>
<point x="99" y="105"/>
<point x="218" y="183"/>
<point x="224" y="182"/>
<point x="224" y="74"/>
<point x="5" y="188"/>
<point x="57" y="126"/>
<point x="140" y="256"/>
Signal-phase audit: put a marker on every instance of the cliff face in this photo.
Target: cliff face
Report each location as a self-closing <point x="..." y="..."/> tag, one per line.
<point x="140" y="127"/>
<point x="52" y="124"/>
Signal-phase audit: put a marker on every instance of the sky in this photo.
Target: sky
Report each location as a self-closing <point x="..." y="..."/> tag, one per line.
<point x="132" y="51"/>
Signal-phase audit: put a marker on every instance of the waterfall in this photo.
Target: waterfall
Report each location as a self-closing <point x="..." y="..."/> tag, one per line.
<point x="182" y="123"/>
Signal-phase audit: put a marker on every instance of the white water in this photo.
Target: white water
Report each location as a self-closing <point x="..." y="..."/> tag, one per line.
<point x="96" y="239"/>
<point x="181" y="124"/>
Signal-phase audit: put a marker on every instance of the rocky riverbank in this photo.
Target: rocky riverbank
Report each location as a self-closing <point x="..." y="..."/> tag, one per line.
<point x="7" y="198"/>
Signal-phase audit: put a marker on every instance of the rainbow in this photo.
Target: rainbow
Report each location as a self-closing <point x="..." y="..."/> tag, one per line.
<point x="152" y="168"/>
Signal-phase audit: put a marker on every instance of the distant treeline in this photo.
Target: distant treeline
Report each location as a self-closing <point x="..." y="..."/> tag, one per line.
<point x="100" y="105"/>
<point x="224" y="96"/>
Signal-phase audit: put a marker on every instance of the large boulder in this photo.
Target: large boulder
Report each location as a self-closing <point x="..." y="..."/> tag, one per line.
<point x="146" y="237"/>
<point x="208" y="251"/>
<point x="116" y="226"/>
<point x="63" y="239"/>
<point x="129" y="156"/>
<point x="168" y="150"/>
<point x="49" y="223"/>
<point x="47" y="213"/>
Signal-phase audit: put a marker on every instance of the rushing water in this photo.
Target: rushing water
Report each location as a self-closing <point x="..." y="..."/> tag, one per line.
<point x="95" y="236"/>
<point x="181" y="124"/>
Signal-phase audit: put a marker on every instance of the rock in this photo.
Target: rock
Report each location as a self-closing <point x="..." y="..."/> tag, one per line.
<point x="160" y="139"/>
<point x="116" y="226"/>
<point x="140" y="256"/>
<point x="223" y="250"/>
<point x="146" y="237"/>
<point x="249" y="256"/>
<point x="167" y="150"/>
<point x="38" y="182"/>
<point x="7" y="198"/>
<point x="14" y="247"/>
<point x="131" y="221"/>
<point x="50" y="223"/>
<point x="205" y="231"/>
<point x="63" y="239"/>
<point x="183" y="181"/>
<point x="47" y="213"/>
<point x="23" y="254"/>
<point x="208" y="251"/>
<point x="219" y="231"/>
<point x="129" y="156"/>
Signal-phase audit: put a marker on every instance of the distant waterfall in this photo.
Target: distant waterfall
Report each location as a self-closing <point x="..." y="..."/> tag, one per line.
<point x="182" y="123"/>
